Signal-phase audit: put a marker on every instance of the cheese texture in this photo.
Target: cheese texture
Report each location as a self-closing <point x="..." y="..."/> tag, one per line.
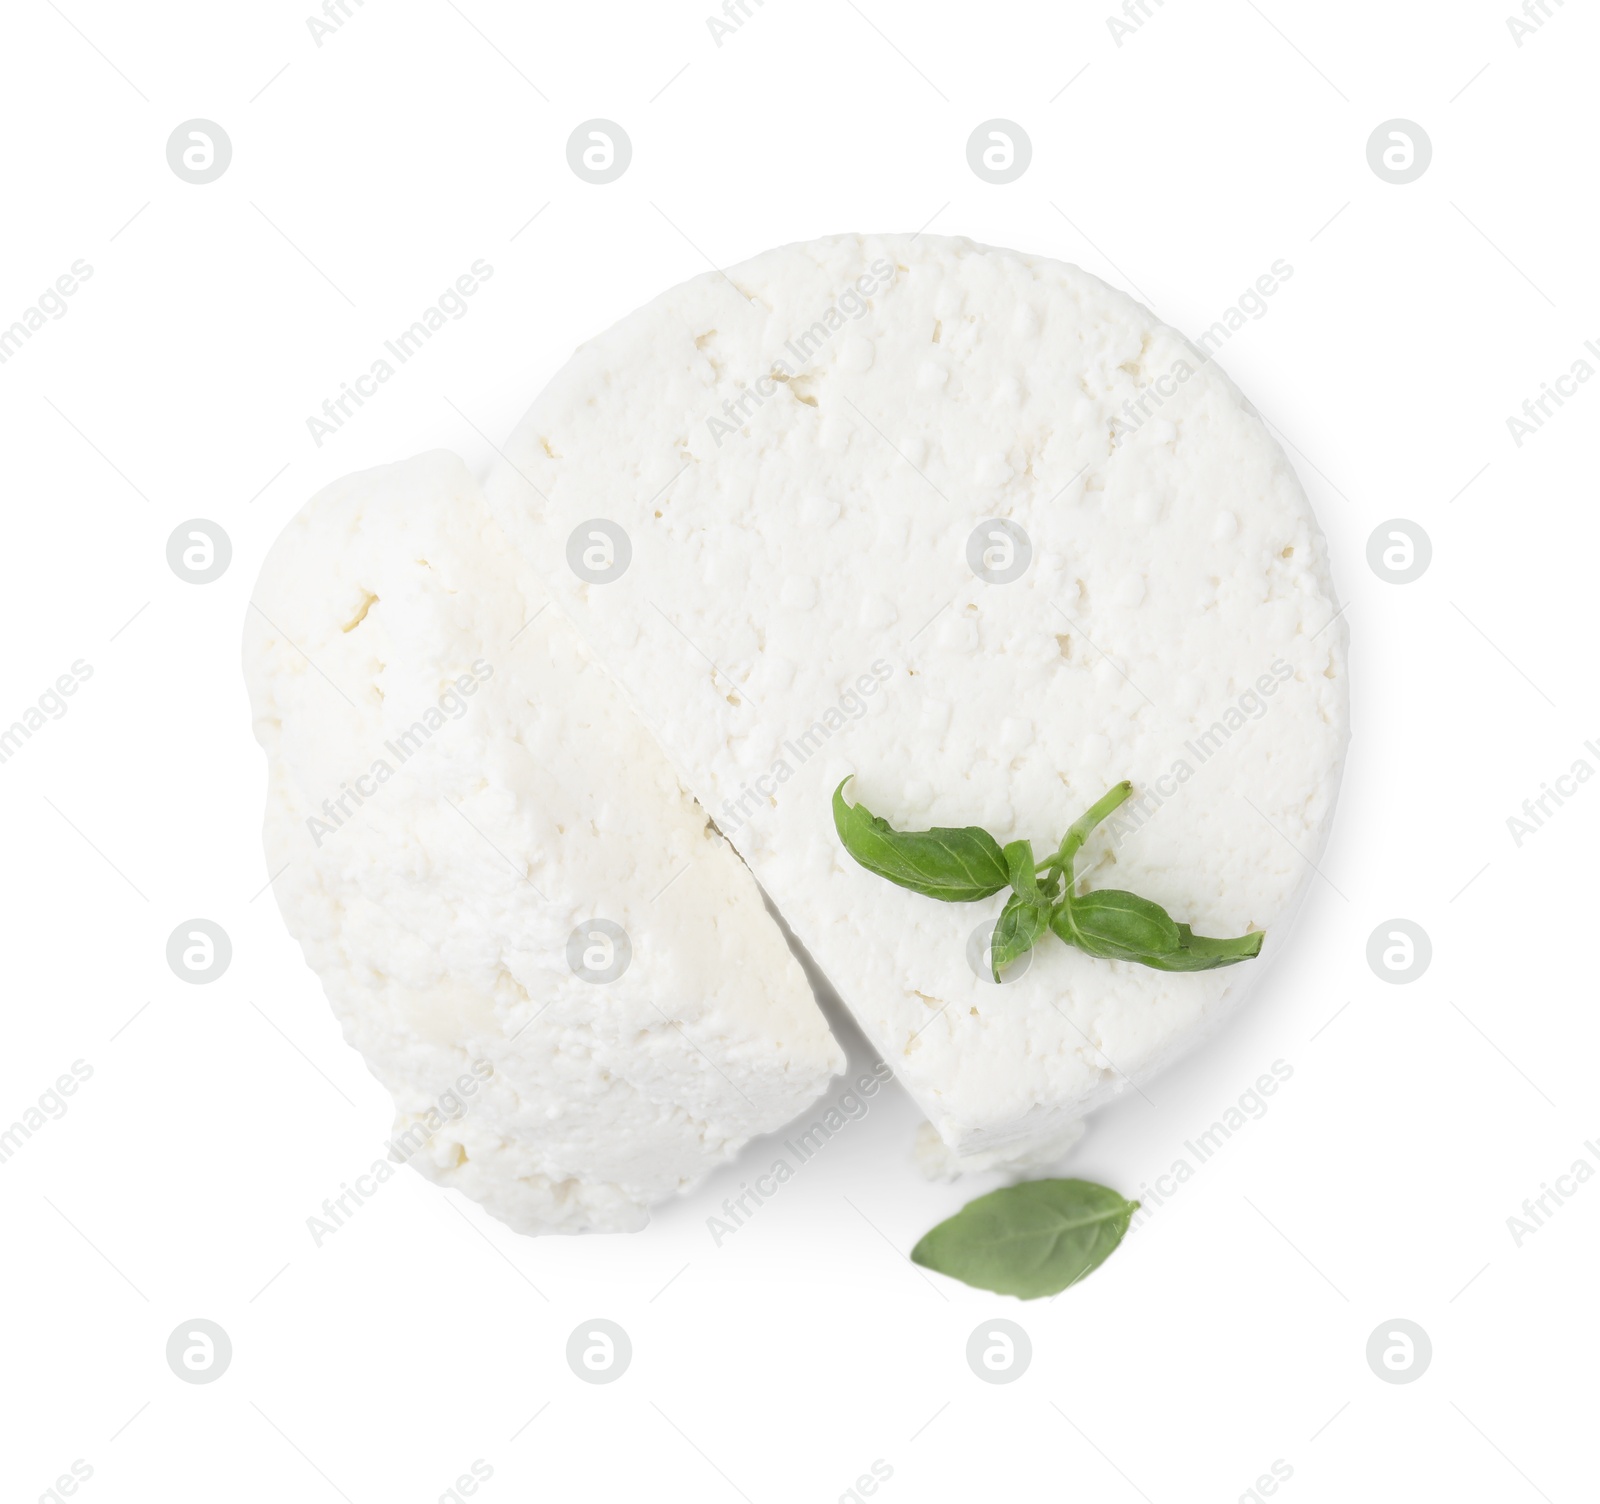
<point x="981" y="531"/>
<point x="456" y="791"/>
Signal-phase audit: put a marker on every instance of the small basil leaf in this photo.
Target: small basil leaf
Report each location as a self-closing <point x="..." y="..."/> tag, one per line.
<point x="1118" y="926"/>
<point x="1029" y="1240"/>
<point x="1020" y="868"/>
<point x="956" y="865"/>
<point x="1021" y="923"/>
<point x="1199" y="953"/>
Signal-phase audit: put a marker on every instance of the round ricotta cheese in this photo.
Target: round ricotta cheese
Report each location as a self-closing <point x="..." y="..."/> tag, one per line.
<point x="982" y="532"/>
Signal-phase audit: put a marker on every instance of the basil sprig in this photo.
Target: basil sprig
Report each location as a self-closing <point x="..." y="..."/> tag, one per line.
<point x="963" y="865"/>
<point x="1029" y="1240"/>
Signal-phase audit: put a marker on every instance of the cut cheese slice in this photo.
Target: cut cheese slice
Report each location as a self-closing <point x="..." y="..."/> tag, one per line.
<point x="982" y="532"/>
<point x="466" y="820"/>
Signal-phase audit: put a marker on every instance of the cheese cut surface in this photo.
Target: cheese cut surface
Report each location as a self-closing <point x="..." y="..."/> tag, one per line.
<point x="810" y="457"/>
<point x="481" y="792"/>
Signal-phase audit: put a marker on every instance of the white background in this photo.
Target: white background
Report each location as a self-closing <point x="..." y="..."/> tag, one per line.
<point x="369" y="173"/>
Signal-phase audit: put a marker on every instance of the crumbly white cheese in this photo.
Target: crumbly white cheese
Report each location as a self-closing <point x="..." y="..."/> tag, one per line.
<point x="456" y="788"/>
<point x="800" y="452"/>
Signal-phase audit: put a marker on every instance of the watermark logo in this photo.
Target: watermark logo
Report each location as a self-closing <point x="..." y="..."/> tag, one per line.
<point x="199" y="551"/>
<point x="599" y="951"/>
<point x="199" y="951"/>
<point x="599" y="551"/>
<point x="1399" y="551"/>
<point x="199" y="151"/>
<point x="1399" y="1351"/>
<point x="599" y="1351"/>
<point x="999" y="1351"/>
<point x="999" y="151"/>
<point x="199" y="1351"/>
<point x="1399" y="151"/>
<point x="999" y="551"/>
<point x="599" y="151"/>
<point x="1399" y="951"/>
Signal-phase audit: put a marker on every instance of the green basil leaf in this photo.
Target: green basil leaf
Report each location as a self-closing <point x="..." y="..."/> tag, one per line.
<point x="1021" y="923"/>
<point x="1116" y="926"/>
<point x="1199" y="953"/>
<point x="956" y="865"/>
<point x="1029" y="1240"/>
<point x="1020" y="868"/>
